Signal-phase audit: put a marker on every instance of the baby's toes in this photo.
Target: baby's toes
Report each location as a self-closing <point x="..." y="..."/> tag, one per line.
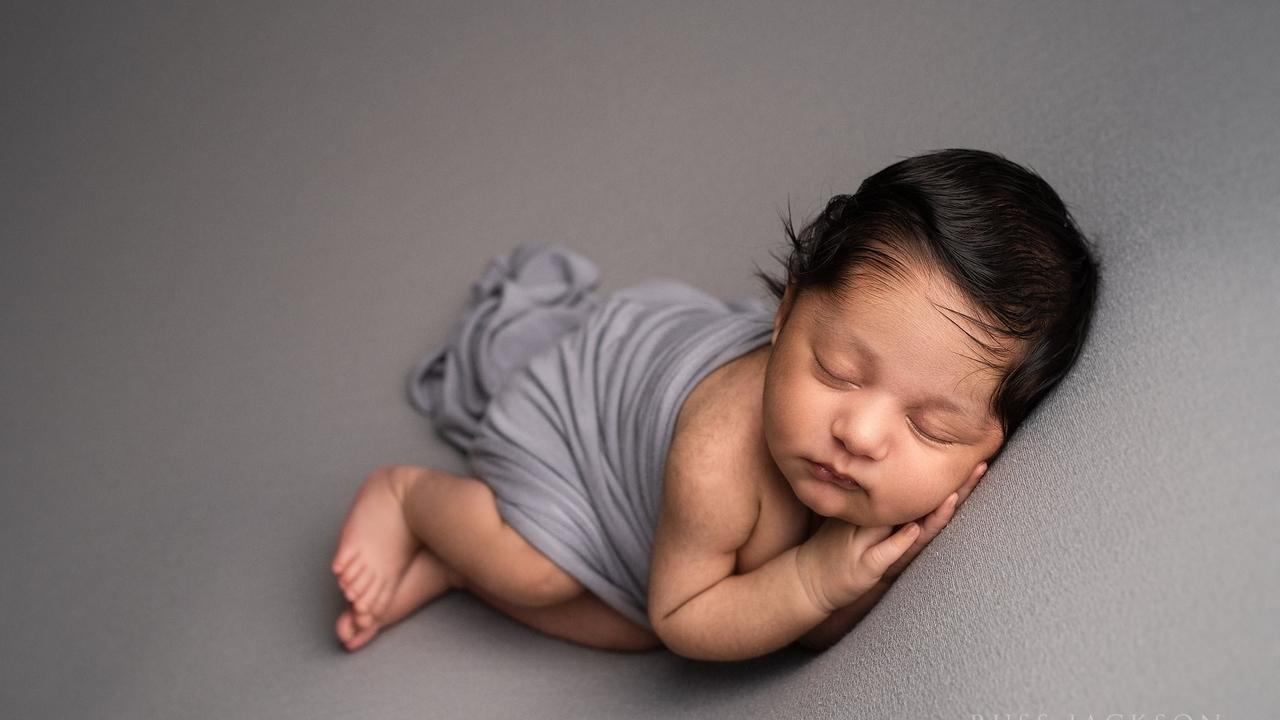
<point x="382" y="600"/>
<point x="376" y="599"/>
<point x="365" y="628"/>
<point x="353" y="575"/>
<point x="362" y="638"/>
<point x="343" y="558"/>
<point x="363" y="586"/>
<point x="346" y="627"/>
<point x="355" y="629"/>
<point x="346" y="588"/>
<point x="363" y="620"/>
<point x="364" y="598"/>
<point x="364" y="602"/>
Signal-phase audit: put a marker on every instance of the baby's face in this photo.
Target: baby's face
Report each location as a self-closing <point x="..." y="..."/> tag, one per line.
<point x="884" y="388"/>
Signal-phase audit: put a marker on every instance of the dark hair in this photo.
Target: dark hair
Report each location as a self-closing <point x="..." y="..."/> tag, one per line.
<point x="995" y="228"/>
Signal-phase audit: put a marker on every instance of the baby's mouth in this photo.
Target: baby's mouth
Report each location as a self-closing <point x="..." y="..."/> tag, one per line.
<point x="828" y="474"/>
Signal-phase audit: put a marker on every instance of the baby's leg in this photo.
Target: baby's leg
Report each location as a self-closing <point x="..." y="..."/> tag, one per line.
<point x="584" y="619"/>
<point x="402" y="507"/>
<point x="457" y="519"/>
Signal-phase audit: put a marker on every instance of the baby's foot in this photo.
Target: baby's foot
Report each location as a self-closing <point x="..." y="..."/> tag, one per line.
<point x="376" y="543"/>
<point x="425" y="579"/>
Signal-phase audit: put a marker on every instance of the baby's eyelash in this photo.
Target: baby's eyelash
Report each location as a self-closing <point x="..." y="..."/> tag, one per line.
<point x="930" y="438"/>
<point x="828" y="373"/>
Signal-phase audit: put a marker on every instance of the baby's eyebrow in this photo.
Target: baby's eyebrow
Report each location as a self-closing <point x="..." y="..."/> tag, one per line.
<point x="943" y="403"/>
<point x="862" y="349"/>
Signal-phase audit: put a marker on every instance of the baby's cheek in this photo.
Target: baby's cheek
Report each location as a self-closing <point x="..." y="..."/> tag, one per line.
<point x="953" y="479"/>
<point x="775" y="426"/>
<point x="914" y="508"/>
<point x="918" y="499"/>
<point x="780" y="418"/>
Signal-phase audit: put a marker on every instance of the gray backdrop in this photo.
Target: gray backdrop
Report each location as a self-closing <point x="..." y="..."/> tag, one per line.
<point x="229" y="230"/>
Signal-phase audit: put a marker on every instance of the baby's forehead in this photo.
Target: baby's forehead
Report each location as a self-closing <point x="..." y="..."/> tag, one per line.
<point x="943" y="313"/>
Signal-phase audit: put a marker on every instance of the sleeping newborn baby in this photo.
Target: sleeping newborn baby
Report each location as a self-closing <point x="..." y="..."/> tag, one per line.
<point x="661" y="468"/>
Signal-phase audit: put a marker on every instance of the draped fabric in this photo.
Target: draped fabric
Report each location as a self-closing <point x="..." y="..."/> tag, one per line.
<point x="564" y="403"/>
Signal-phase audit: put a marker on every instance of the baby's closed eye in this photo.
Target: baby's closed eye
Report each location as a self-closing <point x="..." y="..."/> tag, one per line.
<point x="930" y="436"/>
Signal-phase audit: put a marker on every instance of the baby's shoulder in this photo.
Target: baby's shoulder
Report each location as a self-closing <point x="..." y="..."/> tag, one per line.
<point x="722" y="414"/>
<point x="718" y="456"/>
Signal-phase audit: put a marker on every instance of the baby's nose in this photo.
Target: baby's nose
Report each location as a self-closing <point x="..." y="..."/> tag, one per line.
<point x="863" y="432"/>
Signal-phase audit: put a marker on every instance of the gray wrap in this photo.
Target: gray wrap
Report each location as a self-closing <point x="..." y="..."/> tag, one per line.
<point x="564" y="403"/>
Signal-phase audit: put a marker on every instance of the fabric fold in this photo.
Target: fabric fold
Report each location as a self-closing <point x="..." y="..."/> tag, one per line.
<point x="521" y="305"/>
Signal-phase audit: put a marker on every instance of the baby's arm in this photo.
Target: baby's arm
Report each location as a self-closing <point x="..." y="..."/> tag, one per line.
<point x="700" y="609"/>
<point x="697" y="606"/>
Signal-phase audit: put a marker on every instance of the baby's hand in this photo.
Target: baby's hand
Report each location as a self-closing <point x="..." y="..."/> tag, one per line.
<point x="932" y="524"/>
<point x="841" y="562"/>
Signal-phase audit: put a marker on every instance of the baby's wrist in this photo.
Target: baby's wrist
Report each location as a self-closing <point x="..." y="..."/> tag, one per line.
<point x="808" y="575"/>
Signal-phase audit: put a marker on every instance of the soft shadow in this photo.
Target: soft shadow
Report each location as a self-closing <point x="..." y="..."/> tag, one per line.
<point x="683" y="684"/>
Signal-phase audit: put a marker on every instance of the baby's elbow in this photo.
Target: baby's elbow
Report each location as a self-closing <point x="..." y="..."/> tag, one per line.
<point x="670" y="631"/>
<point x="680" y="636"/>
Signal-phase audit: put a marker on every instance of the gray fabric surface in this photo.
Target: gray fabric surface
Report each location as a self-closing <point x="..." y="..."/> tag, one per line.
<point x="229" y="229"/>
<point x="521" y="306"/>
<point x="565" y="404"/>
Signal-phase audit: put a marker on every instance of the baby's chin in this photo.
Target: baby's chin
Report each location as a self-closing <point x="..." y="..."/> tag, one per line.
<point x="853" y="508"/>
<point x="857" y="518"/>
<point x="832" y="502"/>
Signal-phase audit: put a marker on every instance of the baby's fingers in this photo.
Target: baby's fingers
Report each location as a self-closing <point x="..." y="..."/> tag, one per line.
<point x="883" y="554"/>
<point x="940" y="516"/>
<point x="971" y="483"/>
